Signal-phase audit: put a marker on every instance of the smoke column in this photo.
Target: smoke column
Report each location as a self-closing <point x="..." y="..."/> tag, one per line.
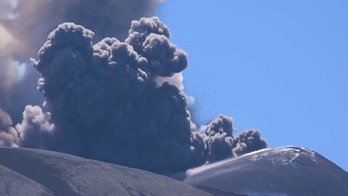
<point x="118" y="100"/>
<point x="24" y="24"/>
<point x="105" y="103"/>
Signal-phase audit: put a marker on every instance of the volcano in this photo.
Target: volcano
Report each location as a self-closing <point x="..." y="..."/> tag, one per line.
<point x="279" y="171"/>
<point x="37" y="172"/>
<point x="284" y="171"/>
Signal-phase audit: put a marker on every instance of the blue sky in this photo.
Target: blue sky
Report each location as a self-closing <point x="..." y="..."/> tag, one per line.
<point x="277" y="66"/>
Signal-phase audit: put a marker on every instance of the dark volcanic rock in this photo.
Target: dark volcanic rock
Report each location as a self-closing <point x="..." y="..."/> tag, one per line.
<point x="280" y="171"/>
<point x="37" y="172"/>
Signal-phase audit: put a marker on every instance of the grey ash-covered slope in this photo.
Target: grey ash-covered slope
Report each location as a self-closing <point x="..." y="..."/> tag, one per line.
<point x="280" y="171"/>
<point x="12" y="183"/>
<point x="37" y="172"/>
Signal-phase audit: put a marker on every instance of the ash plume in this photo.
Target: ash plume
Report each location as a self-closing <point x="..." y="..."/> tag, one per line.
<point x="8" y="134"/>
<point x="104" y="100"/>
<point x="248" y="141"/>
<point x="220" y="141"/>
<point x="115" y="100"/>
<point x="24" y="24"/>
<point x="35" y="128"/>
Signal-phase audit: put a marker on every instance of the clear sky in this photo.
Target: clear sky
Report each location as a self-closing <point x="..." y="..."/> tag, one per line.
<point x="277" y="66"/>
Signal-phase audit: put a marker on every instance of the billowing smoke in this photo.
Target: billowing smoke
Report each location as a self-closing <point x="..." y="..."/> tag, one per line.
<point x="8" y="134"/>
<point x="24" y="24"/>
<point x="107" y="104"/>
<point x="248" y="141"/>
<point x="104" y="100"/>
<point x="116" y="100"/>
<point x="220" y="141"/>
<point x="35" y="129"/>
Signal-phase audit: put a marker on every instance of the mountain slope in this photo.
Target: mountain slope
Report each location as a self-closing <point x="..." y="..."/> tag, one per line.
<point x="38" y="172"/>
<point x="279" y="171"/>
<point x="12" y="183"/>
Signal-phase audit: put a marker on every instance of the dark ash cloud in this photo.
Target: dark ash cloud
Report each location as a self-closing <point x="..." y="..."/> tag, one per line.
<point x="220" y="141"/>
<point x="119" y="101"/>
<point x="105" y="103"/>
<point x="25" y="23"/>
<point x="248" y="141"/>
